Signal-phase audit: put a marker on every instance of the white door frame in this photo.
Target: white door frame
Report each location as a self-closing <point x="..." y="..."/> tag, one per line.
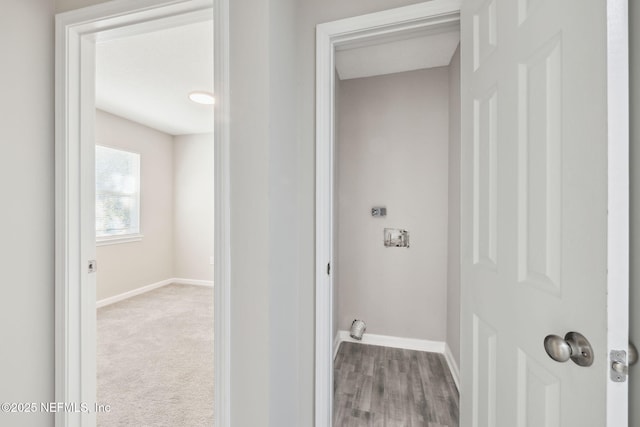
<point x="328" y="37"/>
<point x="75" y="326"/>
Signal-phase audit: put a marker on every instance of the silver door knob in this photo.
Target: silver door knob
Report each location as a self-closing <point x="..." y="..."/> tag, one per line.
<point x="573" y="346"/>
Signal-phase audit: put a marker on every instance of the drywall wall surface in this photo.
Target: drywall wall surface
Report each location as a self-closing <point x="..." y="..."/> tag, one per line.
<point x="634" y="50"/>
<point x="392" y="142"/>
<point x="27" y="177"/>
<point x="127" y="266"/>
<point x="66" y="5"/>
<point x="453" y="257"/>
<point x="193" y="190"/>
<point x="250" y="208"/>
<point x="284" y="331"/>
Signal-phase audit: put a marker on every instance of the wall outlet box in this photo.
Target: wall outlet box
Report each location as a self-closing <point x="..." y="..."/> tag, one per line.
<point x="378" y="211"/>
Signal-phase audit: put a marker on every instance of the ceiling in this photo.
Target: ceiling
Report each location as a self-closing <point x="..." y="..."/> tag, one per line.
<point x="410" y="52"/>
<point x="147" y="78"/>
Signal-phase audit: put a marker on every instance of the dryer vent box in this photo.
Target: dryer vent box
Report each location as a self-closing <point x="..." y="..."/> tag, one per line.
<point x="396" y="238"/>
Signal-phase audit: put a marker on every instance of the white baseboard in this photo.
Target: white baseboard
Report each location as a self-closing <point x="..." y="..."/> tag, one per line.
<point x="132" y="293"/>
<point x="404" y="343"/>
<point x="196" y="282"/>
<point x="336" y="345"/>
<point x="453" y="366"/>
<point x="396" y="342"/>
<point x="142" y="290"/>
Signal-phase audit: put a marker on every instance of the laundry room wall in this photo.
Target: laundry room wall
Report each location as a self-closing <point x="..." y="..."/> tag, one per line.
<point x="392" y="146"/>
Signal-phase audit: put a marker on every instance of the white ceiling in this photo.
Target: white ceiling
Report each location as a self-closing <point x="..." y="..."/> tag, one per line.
<point x="384" y="56"/>
<point x="147" y="78"/>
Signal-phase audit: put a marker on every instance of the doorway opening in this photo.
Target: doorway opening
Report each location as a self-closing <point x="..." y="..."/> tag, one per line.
<point x="562" y="210"/>
<point x="337" y="299"/>
<point x="397" y="162"/>
<point x="77" y="35"/>
<point x="154" y="227"/>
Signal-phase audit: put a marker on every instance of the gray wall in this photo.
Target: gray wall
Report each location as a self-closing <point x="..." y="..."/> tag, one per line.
<point x="453" y="257"/>
<point x="249" y="69"/>
<point x="284" y="389"/>
<point x="634" y="378"/>
<point x="193" y="206"/>
<point x="26" y="177"/>
<point x="392" y="142"/>
<point x="128" y="266"/>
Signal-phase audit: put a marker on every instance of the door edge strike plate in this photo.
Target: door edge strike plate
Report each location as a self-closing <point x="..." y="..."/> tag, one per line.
<point x="92" y="266"/>
<point x="619" y="368"/>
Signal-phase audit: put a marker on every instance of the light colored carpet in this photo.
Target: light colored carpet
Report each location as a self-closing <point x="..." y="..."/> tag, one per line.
<point x="155" y="359"/>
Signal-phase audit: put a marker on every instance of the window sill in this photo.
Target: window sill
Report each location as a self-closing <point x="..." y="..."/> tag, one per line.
<point x="115" y="240"/>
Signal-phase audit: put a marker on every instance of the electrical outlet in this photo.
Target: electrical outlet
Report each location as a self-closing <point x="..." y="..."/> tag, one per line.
<point x="210" y="260"/>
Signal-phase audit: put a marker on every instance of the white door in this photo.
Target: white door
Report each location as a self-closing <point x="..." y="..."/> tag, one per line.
<point x="544" y="225"/>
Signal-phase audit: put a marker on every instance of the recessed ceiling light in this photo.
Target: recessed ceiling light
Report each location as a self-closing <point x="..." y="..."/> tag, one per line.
<point x="202" y="98"/>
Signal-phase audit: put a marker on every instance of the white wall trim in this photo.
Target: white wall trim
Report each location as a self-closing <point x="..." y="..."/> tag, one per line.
<point x="76" y="35"/>
<point x="395" y="342"/>
<point x="194" y="282"/>
<point x="138" y="291"/>
<point x="328" y="36"/>
<point x="129" y="294"/>
<point x="453" y="366"/>
<point x="116" y="240"/>
<point x="336" y="345"/>
<point x="405" y="343"/>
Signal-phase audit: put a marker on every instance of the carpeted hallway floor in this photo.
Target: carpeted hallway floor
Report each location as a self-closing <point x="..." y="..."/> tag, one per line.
<point x="155" y="359"/>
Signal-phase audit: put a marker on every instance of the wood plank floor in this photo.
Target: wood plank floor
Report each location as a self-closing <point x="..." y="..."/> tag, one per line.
<point x="389" y="387"/>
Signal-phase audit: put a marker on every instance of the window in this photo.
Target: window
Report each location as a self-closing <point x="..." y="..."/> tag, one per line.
<point x="117" y="196"/>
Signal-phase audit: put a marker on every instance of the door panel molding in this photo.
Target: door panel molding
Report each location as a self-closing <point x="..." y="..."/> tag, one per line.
<point x="562" y="204"/>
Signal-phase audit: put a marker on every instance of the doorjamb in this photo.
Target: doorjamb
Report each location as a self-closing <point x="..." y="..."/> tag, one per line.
<point x="76" y="34"/>
<point x="328" y="36"/>
<point x="618" y="188"/>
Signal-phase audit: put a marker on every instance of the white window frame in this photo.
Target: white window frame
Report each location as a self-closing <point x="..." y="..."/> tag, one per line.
<point x="128" y="237"/>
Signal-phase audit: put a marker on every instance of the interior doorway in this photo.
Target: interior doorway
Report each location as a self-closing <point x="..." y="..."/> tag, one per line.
<point x="527" y="146"/>
<point x="397" y="167"/>
<point x="365" y="31"/>
<point x="77" y="33"/>
<point x="154" y="226"/>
